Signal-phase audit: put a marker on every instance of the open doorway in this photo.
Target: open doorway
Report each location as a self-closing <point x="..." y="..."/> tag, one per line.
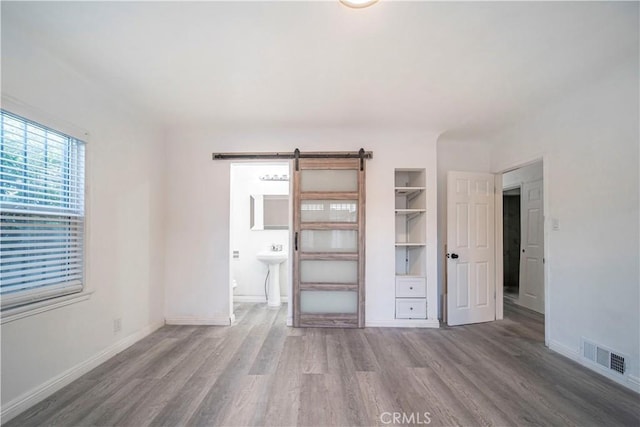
<point x="475" y="247"/>
<point x="523" y="237"/>
<point x="259" y="235"/>
<point x="511" y="243"/>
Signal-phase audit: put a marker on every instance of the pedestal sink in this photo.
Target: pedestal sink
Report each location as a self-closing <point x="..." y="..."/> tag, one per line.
<point x="273" y="259"/>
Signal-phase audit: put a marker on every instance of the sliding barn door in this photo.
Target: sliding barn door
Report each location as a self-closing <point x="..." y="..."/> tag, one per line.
<point x="328" y="255"/>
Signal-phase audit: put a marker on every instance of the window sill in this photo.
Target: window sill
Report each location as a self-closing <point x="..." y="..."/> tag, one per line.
<point x="42" y="306"/>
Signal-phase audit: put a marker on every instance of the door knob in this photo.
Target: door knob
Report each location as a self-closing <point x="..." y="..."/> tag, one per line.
<point x="452" y="256"/>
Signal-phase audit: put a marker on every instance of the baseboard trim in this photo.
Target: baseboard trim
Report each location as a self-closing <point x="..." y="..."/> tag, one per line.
<point x="248" y="298"/>
<point x="397" y="323"/>
<point x="46" y="389"/>
<point x="403" y="323"/>
<point x="215" y="320"/>
<point x="628" y="381"/>
<point x="255" y="298"/>
<point x="565" y="350"/>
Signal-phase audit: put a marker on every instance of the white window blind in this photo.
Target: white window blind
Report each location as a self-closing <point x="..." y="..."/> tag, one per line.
<point x="41" y="212"/>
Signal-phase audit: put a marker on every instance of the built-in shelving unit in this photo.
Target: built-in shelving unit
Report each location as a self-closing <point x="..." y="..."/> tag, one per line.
<point x="410" y="243"/>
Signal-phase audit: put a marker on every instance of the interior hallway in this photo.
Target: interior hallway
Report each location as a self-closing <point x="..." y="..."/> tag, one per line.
<point x="260" y="372"/>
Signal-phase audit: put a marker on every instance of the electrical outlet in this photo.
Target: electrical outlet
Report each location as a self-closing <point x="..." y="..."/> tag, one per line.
<point x="117" y="325"/>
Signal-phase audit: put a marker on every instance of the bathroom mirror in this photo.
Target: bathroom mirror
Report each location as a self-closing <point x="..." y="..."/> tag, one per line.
<point x="269" y="212"/>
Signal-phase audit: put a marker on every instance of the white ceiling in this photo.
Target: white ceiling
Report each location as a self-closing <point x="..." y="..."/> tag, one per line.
<point x="441" y="66"/>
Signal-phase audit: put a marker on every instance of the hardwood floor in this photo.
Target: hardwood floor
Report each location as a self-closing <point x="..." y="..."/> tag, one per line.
<point x="260" y="372"/>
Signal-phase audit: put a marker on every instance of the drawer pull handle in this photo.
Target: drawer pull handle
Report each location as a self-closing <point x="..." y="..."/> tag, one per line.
<point x="410" y="308"/>
<point x="411" y="287"/>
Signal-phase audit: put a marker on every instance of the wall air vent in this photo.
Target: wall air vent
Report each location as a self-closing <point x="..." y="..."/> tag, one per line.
<point x="617" y="363"/>
<point x="603" y="356"/>
<point x="589" y="350"/>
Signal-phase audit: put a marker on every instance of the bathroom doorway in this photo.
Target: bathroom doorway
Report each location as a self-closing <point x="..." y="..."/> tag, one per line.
<point x="259" y="234"/>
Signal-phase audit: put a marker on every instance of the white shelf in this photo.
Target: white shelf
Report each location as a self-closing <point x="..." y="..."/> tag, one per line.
<point x="408" y="191"/>
<point x="410" y="237"/>
<point x="410" y="249"/>
<point x="409" y="211"/>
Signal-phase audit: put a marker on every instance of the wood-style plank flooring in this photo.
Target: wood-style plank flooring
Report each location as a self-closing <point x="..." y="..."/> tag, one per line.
<point x="260" y="372"/>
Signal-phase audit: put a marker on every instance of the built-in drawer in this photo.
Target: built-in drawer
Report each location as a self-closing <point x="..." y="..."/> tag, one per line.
<point x="411" y="308"/>
<point x="410" y="287"/>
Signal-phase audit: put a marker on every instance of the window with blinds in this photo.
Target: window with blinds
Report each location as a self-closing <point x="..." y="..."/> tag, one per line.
<point x="41" y="212"/>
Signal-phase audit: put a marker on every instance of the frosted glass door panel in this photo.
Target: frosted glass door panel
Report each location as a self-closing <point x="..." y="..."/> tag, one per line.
<point x="328" y="271"/>
<point x="329" y="180"/>
<point x="329" y="241"/>
<point x="328" y="302"/>
<point x="328" y="210"/>
<point x="328" y="259"/>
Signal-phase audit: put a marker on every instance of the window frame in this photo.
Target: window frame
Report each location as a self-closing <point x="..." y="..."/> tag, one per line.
<point x="33" y="116"/>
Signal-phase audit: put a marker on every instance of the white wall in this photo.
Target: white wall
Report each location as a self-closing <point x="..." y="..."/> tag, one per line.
<point x="124" y="225"/>
<point x="589" y="143"/>
<point x="198" y="222"/>
<point x="454" y="155"/>
<point x="248" y="271"/>
<point x="517" y="177"/>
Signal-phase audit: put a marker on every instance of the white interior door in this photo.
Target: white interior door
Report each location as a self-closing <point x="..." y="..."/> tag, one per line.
<point x="531" y="258"/>
<point x="471" y="248"/>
